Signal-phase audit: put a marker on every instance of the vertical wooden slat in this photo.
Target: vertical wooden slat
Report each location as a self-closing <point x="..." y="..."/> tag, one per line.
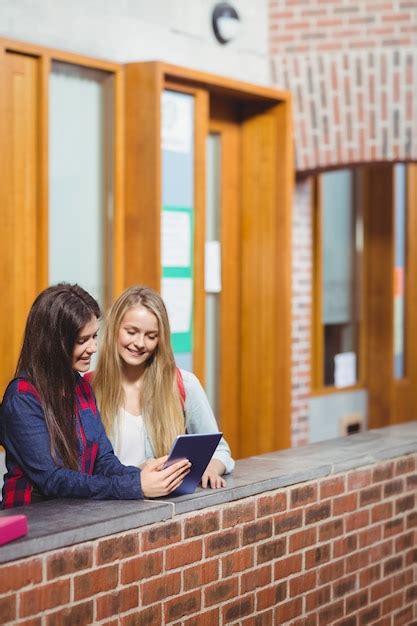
<point x="43" y="160"/>
<point x="200" y="128"/>
<point x="118" y="232"/>
<point x="142" y="257"/>
<point x="19" y="200"/>
<point x="6" y="359"/>
<point x="411" y="292"/>
<point x="266" y="280"/>
<point x="380" y="263"/>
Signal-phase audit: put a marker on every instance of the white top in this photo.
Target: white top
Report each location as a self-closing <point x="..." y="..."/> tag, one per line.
<point x="134" y="447"/>
<point x="129" y="438"/>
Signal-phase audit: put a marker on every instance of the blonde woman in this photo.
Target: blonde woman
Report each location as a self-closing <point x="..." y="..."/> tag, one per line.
<point x="144" y="400"/>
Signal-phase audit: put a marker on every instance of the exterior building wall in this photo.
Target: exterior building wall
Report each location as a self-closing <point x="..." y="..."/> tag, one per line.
<point x="353" y="106"/>
<point x="352" y="70"/>
<point x="175" y="31"/>
<point x="338" y="550"/>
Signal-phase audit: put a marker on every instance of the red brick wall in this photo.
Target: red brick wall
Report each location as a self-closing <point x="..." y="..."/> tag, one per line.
<point x="341" y="550"/>
<point x="302" y="26"/>
<point x="352" y="107"/>
<point x="301" y="312"/>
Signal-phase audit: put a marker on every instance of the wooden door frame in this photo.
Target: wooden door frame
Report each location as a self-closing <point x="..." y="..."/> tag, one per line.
<point x="224" y="121"/>
<point x="266" y="124"/>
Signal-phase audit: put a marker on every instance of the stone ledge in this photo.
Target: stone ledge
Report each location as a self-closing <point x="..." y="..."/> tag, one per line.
<point x="59" y="523"/>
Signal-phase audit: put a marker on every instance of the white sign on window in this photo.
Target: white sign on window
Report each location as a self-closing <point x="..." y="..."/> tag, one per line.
<point x="178" y="297"/>
<point x="212" y="267"/>
<point x="345" y="369"/>
<point x="175" y="239"/>
<point x="177" y="122"/>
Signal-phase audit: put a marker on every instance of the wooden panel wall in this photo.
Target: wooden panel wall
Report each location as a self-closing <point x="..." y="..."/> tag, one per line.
<point x="19" y="200"/>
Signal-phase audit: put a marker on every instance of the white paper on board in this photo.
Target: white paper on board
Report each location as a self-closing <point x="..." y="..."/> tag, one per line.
<point x="212" y="267"/>
<point x="175" y="239"/>
<point x="345" y="369"/>
<point x="176" y="122"/>
<point x="178" y="297"/>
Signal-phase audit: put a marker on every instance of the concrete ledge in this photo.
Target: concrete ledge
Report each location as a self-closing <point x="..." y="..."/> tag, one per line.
<point x="59" y="523"/>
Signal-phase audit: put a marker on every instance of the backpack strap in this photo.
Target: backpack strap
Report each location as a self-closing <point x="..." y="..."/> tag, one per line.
<point x="181" y="388"/>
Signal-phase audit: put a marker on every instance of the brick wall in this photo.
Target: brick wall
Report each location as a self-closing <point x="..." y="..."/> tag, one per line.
<point x="351" y="67"/>
<point x="302" y="26"/>
<point x="301" y="312"/>
<point x="341" y="550"/>
<point x="352" y="107"/>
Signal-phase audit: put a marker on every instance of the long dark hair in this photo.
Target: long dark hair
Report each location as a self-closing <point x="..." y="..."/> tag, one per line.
<point x="55" y="319"/>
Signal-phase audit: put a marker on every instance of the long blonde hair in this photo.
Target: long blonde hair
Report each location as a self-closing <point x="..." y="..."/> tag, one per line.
<point x="159" y="395"/>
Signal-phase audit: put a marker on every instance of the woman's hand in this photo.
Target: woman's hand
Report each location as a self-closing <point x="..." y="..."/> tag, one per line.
<point x="213" y="476"/>
<point x="157" y="481"/>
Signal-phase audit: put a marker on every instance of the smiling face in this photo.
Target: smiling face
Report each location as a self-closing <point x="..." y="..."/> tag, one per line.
<point x="138" y="336"/>
<point x="85" y="346"/>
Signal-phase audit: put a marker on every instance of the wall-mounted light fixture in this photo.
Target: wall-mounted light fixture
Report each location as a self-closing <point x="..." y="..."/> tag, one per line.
<point x="225" y="21"/>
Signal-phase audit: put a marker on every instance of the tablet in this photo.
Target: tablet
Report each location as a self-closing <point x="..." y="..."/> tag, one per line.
<point x="198" y="449"/>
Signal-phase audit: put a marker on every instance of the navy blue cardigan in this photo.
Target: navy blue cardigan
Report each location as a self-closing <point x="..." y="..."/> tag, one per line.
<point x="30" y="466"/>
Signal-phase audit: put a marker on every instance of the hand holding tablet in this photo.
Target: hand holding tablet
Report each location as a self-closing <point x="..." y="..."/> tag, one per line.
<point x="198" y="449"/>
<point x="158" y="481"/>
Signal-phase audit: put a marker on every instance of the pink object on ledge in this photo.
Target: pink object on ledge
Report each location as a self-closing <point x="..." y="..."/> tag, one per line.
<point x="12" y="527"/>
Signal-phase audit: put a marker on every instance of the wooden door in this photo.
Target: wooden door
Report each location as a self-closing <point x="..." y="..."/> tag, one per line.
<point x="19" y="193"/>
<point x="253" y="338"/>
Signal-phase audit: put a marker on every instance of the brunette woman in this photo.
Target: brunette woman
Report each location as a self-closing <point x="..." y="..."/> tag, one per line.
<point x="145" y="401"/>
<point x="55" y="442"/>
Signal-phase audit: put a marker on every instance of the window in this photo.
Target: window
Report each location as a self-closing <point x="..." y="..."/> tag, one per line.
<point x="80" y="178"/>
<point x="338" y="279"/>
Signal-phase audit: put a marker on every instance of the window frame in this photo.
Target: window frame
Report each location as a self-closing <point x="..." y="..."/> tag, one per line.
<point x="45" y="56"/>
<point x="318" y="388"/>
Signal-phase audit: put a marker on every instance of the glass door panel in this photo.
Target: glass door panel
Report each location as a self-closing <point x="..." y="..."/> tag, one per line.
<point x="80" y="178"/>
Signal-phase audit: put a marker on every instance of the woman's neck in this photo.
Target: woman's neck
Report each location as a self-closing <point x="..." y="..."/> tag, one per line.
<point x="131" y="383"/>
<point x="131" y="376"/>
